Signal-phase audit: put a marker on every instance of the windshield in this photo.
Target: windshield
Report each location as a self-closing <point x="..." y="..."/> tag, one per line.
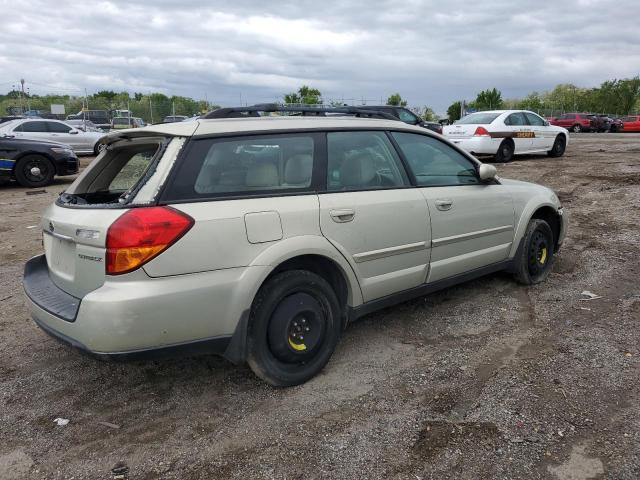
<point x="480" y="118"/>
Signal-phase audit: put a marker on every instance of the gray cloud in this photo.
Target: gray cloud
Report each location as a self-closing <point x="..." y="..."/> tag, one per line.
<point x="431" y="52"/>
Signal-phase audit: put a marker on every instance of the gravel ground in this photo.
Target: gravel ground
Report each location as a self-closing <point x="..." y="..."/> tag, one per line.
<point x="484" y="380"/>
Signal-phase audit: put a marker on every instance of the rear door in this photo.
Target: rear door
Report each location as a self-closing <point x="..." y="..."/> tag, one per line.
<point x="372" y="214"/>
<point x="518" y="129"/>
<point x="33" y="129"/>
<point x="472" y="223"/>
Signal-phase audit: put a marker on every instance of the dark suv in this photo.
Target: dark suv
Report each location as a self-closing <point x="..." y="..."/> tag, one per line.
<point x="34" y="163"/>
<point x="405" y="115"/>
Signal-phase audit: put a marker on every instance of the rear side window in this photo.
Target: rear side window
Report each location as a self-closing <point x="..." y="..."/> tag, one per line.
<point x="32" y="127"/>
<point x="434" y="162"/>
<point x="362" y="161"/>
<point x="245" y="166"/>
<point x="516" y="119"/>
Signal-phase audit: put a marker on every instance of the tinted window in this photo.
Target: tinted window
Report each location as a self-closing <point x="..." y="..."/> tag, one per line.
<point x="362" y="161"/>
<point x="480" y="118"/>
<point x="259" y="164"/>
<point x="569" y="116"/>
<point x="407" y="116"/>
<point x="56" y="127"/>
<point x="434" y="162"/>
<point x="32" y="127"/>
<point x="515" y="119"/>
<point x="534" y="119"/>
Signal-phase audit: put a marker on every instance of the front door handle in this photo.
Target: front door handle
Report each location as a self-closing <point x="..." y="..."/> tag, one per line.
<point x="342" y="215"/>
<point x="444" y="204"/>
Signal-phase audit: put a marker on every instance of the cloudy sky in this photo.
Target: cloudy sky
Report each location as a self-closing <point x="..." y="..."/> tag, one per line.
<point x="432" y="52"/>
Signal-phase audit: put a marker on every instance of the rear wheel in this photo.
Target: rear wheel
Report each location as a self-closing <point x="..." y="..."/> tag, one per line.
<point x="294" y="328"/>
<point x="505" y="151"/>
<point x="577" y="128"/>
<point x="558" y="148"/>
<point x="34" y="171"/>
<point x="534" y="262"/>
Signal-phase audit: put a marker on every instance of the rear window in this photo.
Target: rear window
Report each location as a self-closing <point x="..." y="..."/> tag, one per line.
<point x="245" y="166"/>
<point x="480" y="118"/>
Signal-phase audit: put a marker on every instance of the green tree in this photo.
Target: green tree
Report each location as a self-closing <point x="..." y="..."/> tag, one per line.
<point x="396" y="100"/>
<point x="305" y="95"/>
<point x="427" y="114"/>
<point x="488" y="100"/>
<point x="453" y="112"/>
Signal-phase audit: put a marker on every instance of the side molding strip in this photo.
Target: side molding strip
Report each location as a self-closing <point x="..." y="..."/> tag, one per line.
<point x="387" y="252"/>
<point x="468" y="236"/>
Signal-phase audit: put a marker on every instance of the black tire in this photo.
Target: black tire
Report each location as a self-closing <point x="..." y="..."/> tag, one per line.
<point x="34" y="171"/>
<point x="97" y="148"/>
<point x="289" y="306"/>
<point x="577" y="128"/>
<point x="536" y="257"/>
<point x="505" y="151"/>
<point x="559" y="146"/>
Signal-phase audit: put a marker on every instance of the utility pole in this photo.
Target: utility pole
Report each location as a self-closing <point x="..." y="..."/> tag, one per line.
<point x="22" y="96"/>
<point x="150" y="109"/>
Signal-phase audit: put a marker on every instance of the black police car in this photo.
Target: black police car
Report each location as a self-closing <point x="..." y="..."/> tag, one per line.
<point x="33" y="163"/>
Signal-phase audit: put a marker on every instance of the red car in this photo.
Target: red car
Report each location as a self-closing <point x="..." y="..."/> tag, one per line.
<point x="631" y="124"/>
<point x="575" y="122"/>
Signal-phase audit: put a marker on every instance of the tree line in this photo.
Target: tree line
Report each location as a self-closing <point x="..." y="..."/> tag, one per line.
<point x="616" y="97"/>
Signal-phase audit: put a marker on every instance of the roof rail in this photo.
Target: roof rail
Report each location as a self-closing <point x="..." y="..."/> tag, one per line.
<point x="319" y="111"/>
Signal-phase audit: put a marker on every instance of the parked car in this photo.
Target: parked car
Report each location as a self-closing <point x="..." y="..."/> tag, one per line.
<point x="174" y="118"/>
<point x="405" y="115"/>
<point x="505" y="133"/>
<point x="140" y="122"/>
<point x="100" y="118"/>
<point x="9" y="118"/>
<point x="84" y="125"/>
<point x="261" y="238"/>
<point x="54" y="131"/>
<point x="631" y="123"/>
<point x="575" y="122"/>
<point x="119" y="123"/>
<point x="610" y="124"/>
<point x="34" y="163"/>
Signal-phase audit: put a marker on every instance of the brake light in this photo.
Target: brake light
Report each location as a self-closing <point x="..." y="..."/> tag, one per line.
<point x="142" y="234"/>
<point x="481" y="132"/>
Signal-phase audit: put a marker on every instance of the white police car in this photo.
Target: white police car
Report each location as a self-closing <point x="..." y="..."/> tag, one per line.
<point x="505" y="133"/>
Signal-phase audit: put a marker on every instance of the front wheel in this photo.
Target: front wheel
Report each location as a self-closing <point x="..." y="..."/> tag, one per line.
<point x="558" y="148"/>
<point x="535" y="259"/>
<point x="34" y="171"/>
<point x="98" y="148"/>
<point x="294" y="327"/>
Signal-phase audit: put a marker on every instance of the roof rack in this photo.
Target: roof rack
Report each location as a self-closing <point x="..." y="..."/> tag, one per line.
<point x="319" y="111"/>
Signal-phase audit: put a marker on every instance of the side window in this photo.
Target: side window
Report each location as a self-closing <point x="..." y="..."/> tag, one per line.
<point x="363" y="161"/>
<point x="406" y="116"/>
<point x="434" y="162"/>
<point x="56" y="127"/>
<point x="569" y="116"/>
<point x="32" y="127"/>
<point x="249" y="165"/>
<point x="515" y="119"/>
<point x="534" y="119"/>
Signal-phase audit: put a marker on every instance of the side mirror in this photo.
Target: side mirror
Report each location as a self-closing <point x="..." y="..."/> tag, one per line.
<point x="487" y="172"/>
<point x="546" y="123"/>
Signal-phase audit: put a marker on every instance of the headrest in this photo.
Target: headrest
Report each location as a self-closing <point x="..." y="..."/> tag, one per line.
<point x="262" y="175"/>
<point x="357" y="171"/>
<point x="298" y="169"/>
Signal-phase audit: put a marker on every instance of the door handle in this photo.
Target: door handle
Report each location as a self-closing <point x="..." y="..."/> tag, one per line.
<point x="444" y="204"/>
<point x="342" y="215"/>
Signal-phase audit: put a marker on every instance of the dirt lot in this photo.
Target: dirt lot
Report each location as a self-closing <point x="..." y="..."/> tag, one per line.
<point x="485" y="380"/>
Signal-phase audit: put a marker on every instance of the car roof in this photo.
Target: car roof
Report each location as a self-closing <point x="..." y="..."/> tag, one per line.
<point x="268" y="125"/>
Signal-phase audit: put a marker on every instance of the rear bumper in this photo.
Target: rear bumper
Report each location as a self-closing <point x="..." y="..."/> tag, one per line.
<point x="135" y="315"/>
<point x="477" y="145"/>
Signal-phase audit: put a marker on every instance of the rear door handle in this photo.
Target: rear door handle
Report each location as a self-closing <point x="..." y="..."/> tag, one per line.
<point x="444" y="204"/>
<point x="342" y="215"/>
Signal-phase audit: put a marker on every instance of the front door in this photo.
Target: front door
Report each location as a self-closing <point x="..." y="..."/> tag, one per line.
<point x="519" y="130"/>
<point x="372" y="215"/>
<point x="472" y="223"/>
<point x="543" y="136"/>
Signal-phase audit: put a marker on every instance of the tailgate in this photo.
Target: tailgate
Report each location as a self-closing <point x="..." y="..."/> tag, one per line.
<point x="74" y="246"/>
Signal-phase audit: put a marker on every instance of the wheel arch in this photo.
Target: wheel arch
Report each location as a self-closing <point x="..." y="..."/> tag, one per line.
<point x="32" y="152"/>
<point x="551" y="216"/>
<point x="540" y="208"/>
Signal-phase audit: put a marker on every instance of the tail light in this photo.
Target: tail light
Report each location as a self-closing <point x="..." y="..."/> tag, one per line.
<point x="142" y="234"/>
<point x="481" y="132"/>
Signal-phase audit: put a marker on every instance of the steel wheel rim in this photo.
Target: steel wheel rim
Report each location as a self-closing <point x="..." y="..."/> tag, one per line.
<point x="35" y="171"/>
